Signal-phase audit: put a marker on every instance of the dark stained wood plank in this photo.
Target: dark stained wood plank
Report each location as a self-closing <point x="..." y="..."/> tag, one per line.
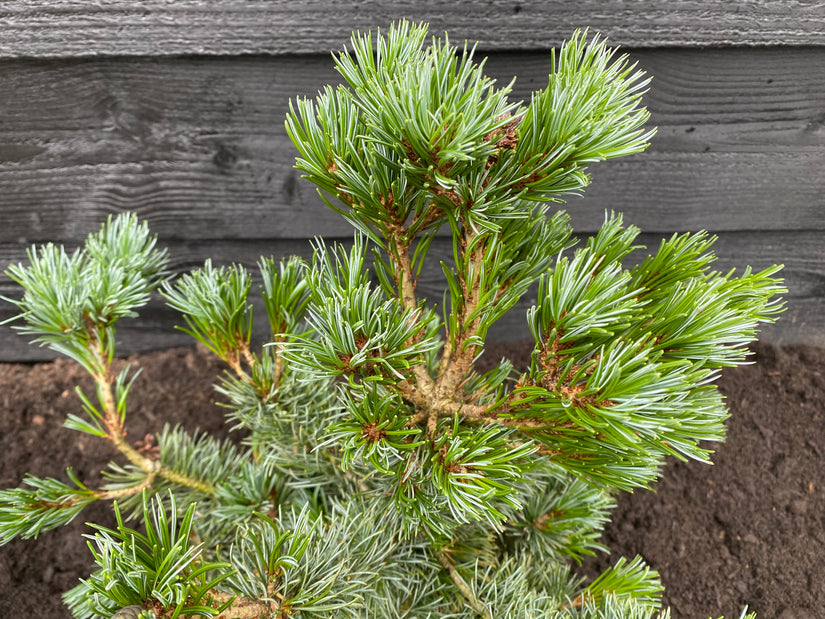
<point x="198" y="148"/>
<point x="68" y="28"/>
<point x="721" y="191"/>
<point x="802" y="253"/>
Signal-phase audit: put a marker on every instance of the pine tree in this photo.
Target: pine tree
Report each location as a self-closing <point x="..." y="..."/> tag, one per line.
<point x="381" y="475"/>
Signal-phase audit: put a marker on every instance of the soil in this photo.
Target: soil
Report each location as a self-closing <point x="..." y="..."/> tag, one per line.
<point x="747" y="530"/>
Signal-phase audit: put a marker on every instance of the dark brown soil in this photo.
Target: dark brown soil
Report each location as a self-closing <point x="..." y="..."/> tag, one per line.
<point x="748" y="530"/>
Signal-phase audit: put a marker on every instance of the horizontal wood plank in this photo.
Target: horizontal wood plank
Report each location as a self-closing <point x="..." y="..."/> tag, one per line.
<point x="802" y="253"/>
<point x="71" y="28"/>
<point x="197" y="146"/>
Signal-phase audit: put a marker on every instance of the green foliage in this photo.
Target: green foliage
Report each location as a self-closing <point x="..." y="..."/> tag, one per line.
<point x="562" y="517"/>
<point x="632" y="580"/>
<point x="285" y="293"/>
<point x="161" y="568"/>
<point x="320" y="565"/>
<point x="214" y="305"/>
<point x="46" y="504"/>
<point x="375" y="431"/>
<point x="474" y="470"/>
<point x="72" y="302"/>
<point x="379" y="473"/>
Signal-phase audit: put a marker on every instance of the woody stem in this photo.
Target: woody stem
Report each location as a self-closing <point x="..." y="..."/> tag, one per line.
<point x="462" y="585"/>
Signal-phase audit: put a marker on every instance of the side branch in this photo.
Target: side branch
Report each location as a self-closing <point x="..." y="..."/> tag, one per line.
<point x="116" y="434"/>
<point x="462" y="585"/>
<point x="400" y="255"/>
<point x="399" y="246"/>
<point x="456" y="361"/>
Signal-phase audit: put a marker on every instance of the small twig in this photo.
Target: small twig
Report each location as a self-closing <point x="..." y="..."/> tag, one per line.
<point x="446" y="354"/>
<point x="234" y="362"/>
<point x="400" y="256"/>
<point x="462" y="585"/>
<point x="417" y="418"/>
<point x="116" y="434"/>
<point x="247" y="355"/>
<point x="432" y="422"/>
<point x="279" y="361"/>
<point x="455" y="360"/>
<point x="403" y="266"/>
<point x="124" y="492"/>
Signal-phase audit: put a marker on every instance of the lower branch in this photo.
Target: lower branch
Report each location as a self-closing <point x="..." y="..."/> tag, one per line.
<point x="184" y="480"/>
<point x="116" y="434"/>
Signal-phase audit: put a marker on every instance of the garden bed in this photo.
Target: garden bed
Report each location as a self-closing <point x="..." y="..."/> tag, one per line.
<point x="748" y="530"/>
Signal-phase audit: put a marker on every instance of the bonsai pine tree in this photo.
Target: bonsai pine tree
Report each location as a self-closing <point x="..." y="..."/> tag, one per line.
<point x="380" y="474"/>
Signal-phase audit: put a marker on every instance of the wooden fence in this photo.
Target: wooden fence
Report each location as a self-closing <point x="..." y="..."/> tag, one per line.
<point x="175" y="110"/>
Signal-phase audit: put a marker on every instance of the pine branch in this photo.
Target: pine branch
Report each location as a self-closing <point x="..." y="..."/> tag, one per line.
<point x="398" y="241"/>
<point x="49" y="504"/>
<point x="461" y="348"/>
<point x="377" y="461"/>
<point x="113" y="415"/>
<point x="214" y="304"/>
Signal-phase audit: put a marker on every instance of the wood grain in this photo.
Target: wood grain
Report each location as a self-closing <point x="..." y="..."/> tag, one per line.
<point x="800" y="252"/>
<point x="72" y="28"/>
<point x="198" y="148"/>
